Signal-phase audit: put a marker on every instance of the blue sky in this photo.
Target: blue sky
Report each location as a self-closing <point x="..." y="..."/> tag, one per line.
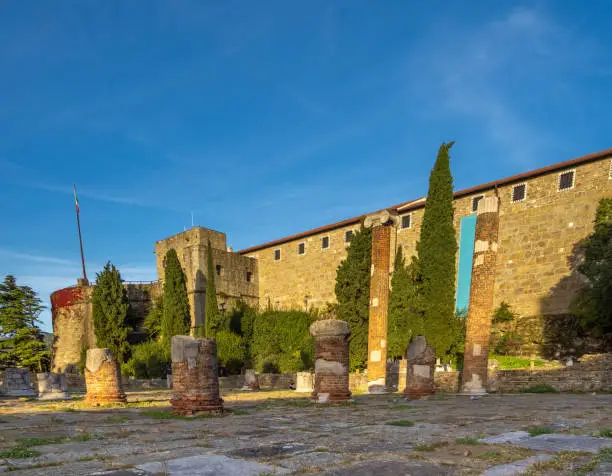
<point x="269" y="118"/>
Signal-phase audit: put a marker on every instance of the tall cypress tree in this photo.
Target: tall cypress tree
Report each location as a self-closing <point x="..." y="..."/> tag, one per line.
<point x="109" y="307"/>
<point x="405" y="305"/>
<point x="353" y="295"/>
<point x="437" y="250"/>
<point x="175" y="315"/>
<point x="212" y="314"/>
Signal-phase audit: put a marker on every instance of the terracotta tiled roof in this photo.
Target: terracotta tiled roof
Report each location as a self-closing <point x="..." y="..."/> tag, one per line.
<point x="420" y="202"/>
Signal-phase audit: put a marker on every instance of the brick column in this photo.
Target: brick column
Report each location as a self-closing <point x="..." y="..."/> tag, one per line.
<point x="381" y="224"/>
<point x="102" y="378"/>
<point x="195" y="376"/>
<point x="478" y="325"/>
<point x="331" y="383"/>
<point x="420" y="369"/>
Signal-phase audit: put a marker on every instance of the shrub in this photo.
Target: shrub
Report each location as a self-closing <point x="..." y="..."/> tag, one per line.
<point x="539" y="388"/>
<point x="231" y="351"/>
<point x="281" y="341"/>
<point x="149" y="360"/>
<point x="509" y="362"/>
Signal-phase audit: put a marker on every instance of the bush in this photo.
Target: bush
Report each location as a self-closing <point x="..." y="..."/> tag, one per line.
<point x="231" y="351"/>
<point x="281" y="341"/>
<point x="509" y="362"/>
<point x="539" y="388"/>
<point x="149" y="360"/>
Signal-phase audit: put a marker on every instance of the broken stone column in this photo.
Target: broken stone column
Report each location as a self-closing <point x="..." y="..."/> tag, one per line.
<point x="382" y="226"/>
<point x="304" y="382"/>
<point x="250" y="380"/>
<point x="16" y="383"/>
<point x="195" y="376"/>
<point x="52" y="386"/>
<point x="103" y="378"/>
<point x="480" y="311"/>
<point x="331" y="383"/>
<point x="421" y="362"/>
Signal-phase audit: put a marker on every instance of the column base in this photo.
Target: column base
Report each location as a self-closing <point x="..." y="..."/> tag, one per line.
<point x="196" y="405"/>
<point x="54" y="396"/>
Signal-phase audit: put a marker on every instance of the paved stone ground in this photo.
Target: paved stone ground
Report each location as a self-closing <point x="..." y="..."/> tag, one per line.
<point x="282" y="432"/>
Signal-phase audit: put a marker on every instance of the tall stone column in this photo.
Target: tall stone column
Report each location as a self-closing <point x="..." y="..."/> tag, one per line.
<point x="103" y="378"/>
<point x="382" y="227"/>
<point x="195" y="376"/>
<point x="478" y="325"/>
<point x="332" y="361"/>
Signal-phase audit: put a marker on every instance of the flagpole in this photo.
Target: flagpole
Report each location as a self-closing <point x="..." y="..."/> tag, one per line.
<point x="80" y="238"/>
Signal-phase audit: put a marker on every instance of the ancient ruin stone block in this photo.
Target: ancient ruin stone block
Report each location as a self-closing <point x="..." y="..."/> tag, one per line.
<point x="16" y="383"/>
<point x="480" y="311"/>
<point x="250" y="380"/>
<point x="103" y="378"/>
<point x="195" y="376"/>
<point x="52" y="386"/>
<point x="332" y="361"/>
<point x="304" y="382"/>
<point x="421" y="361"/>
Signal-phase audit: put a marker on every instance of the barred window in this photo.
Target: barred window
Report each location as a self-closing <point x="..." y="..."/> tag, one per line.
<point x="566" y="180"/>
<point x="348" y="235"/>
<point x="406" y="221"/>
<point x="519" y="192"/>
<point x="325" y="242"/>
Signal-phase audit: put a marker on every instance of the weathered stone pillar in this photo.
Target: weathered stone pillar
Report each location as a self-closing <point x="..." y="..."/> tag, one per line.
<point x="102" y="378"/>
<point x="304" y="382"/>
<point x="478" y="325"/>
<point x="250" y="380"/>
<point x="382" y="226"/>
<point x="331" y="361"/>
<point x="420" y="369"/>
<point x="16" y="383"/>
<point x="195" y="376"/>
<point x="52" y="386"/>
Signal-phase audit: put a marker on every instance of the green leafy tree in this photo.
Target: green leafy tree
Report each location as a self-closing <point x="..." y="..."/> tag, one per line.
<point x="593" y="303"/>
<point x="109" y="308"/>
<point x="353" y="295"/>
<point x="153" y="320"/>
<point x="21" y="341"/>
<point x="175" y="311"/>
<point x="214" y="319"/>
<point x="231" y="351"/>
<point x="405" y="306"/>
<point x="437" y="250"/>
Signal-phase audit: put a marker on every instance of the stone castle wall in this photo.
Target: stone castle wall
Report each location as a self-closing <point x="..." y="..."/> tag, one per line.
<point x="536" y="261"/>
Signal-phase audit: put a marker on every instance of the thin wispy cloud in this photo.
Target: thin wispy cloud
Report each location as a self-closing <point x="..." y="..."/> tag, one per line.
<point x="17" y="256"/>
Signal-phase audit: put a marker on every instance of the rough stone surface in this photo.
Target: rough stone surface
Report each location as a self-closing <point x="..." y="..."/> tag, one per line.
<point x="213" y="465"/>
<point x="52" y="386"/>
<point x="561" y="442"/>
<point x="420" y="369"/>
<point x="517" y="467"/>
<point x="510" y="437"/>
<point x="16" y="383"/>
<point x="379" y="305"/>
<point x="391" y="468"/>
<point x="195" y="376"/>
<point x="331" y="383"/>
<point x="102" y="378"/>
<point x="480" y="312"/>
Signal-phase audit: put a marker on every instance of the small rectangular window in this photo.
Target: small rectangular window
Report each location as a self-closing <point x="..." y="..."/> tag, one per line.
<point x="406" y="221"/>
<point x="249" y="276"/>
<point x="348" y="235"/>
<point x="519" y="192"/>
<point x="325" y="242"/>
<point x="219" y="269"/>
<point x="566" y="180"/>
<point x="610" y="171"/>
<point x="475" y="202"/>
<point x="301" y="248"/>
<point x="277" y="255"/>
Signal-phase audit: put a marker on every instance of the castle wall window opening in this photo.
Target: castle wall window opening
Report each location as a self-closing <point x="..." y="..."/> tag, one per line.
<point x="519" y="192"/>
<point x="277" y="255"/>
<point x="219" y="269"/>
<point x="301" y="248"/>
<point x="475" y="201"/>
<point x="249" y="276"/>
<point x="348" y="235"/>
<point x="325" y="242"/>
<point x="406" y="221"/>
<point x="566" y="180"/>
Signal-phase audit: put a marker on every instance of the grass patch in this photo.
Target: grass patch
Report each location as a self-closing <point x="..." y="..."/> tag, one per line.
<point x="29" y="442"/>
<point x="604" y="433"/>
<point x="400" y="423"/>
<point x="467" y="440"/>
<point x="539" y="388"/>
<point x="508" y="362"/>
<point x="168" y="415"/>
<point x="116" y="419"/>
<point x="19" y="452"/>
<point x="490" y="455"/>
<point x="569" y="462"/>
<point x="403" y="406"/>
<point x="430" y="446"/>
<point x="538" y="430"/>
<point x="238" y="411"/>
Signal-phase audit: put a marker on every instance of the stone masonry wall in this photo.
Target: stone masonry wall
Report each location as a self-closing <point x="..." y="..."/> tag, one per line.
<point x="536" y="240"/>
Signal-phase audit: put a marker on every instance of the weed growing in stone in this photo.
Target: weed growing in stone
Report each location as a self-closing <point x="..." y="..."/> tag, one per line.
<point x="400" y="423"/>
<point x="605" y="433"/>
<point x="19" y="452"/>
<point x="467" y="440"/>
<point x="29" y="442"/>
<point x="538" y="430"/>
<point x="116" y="419"/>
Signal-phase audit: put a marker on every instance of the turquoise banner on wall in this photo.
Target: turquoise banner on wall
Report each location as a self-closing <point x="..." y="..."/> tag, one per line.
<point x="466" y="256"/>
